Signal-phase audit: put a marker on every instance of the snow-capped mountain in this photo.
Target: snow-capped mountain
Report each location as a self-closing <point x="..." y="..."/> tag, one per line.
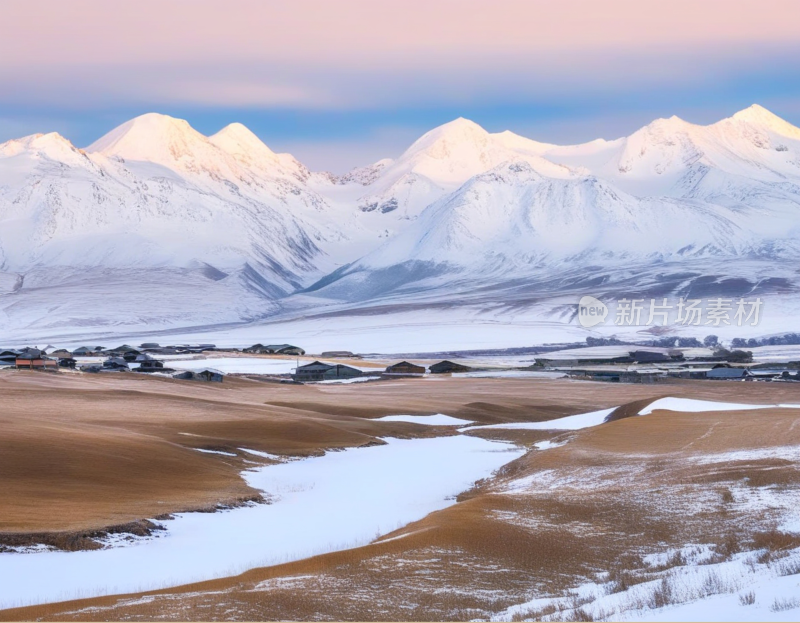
<point x="153" y="200"/>
<point x="670" y="192"/>
<point x="157" y="225"/>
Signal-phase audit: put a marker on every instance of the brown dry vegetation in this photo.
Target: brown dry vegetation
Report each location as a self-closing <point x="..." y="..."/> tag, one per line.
<point x="595" y="505"/>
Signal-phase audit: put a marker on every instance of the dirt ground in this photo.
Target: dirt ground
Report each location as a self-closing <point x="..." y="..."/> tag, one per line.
<point x="84" y="452"/>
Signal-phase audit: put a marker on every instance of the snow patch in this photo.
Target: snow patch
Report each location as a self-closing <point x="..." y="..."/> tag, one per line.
<point x="438" y="419"/>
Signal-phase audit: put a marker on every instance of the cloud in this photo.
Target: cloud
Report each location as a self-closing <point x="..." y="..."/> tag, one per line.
<point x="355" y="54"/>
<point x="345" y="83"/>
<point x="367" y="34"/>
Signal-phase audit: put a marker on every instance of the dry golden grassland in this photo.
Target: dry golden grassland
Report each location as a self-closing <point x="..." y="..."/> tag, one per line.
<point x="87" y="452"/>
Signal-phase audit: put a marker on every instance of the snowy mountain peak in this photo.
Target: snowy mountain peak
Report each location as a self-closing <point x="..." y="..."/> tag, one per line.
<point x="240" y="142"/>
<point x="36" y="142"/>
<point x="452" y="153"/>
<point x="153" y="136"/>
<point x="665" y="125"/>
<point x="441" y="142"/>
<point x="760" y="116"/>
<point x="51" y="146"/>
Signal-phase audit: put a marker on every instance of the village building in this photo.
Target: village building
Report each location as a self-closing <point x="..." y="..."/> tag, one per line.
<point x="34" y="359"/>
<point x="8" y="357"/>
<point x="67" y="362"/>
<point x="284" y="349"/>
<point x="274" y="349"/>
<point x="318" y="371"/>
<point x="447" y="367"/>
<point x="728" y="374"/>
<point x="151" y="365"/>
<point x="208" y="375"/>
<point x="341" y="371"/>
<point x="314" y="371"/>
<point x="404" y="368"/>
<point x="61" y="353"/>
<point x="765" y="374"/>
<point x="115" y="364"/>
<point x="646" y="356"/>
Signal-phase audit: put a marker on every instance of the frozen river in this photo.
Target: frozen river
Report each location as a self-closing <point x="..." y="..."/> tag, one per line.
<point x="337" y="501"/>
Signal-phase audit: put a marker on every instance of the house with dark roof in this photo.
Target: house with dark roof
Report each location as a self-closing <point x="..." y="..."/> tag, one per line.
<point x="115" y="364"/>
<point x="341" y="371"/>
<point x="445" y="367"/>
<point x="151" y="365"/>
<point x="34" y="359"/>
<point x="310" y="372"/>
<point x="8" y="357"/>
<point x="646" y="356"/>
<point x="284" y="349"/>
<point x="209" y="375"/>
<point x="728" y="374"/>
<point x="404" y="368"/>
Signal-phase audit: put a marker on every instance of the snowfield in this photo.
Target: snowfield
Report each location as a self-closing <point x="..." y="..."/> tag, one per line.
<point x="571" y="422"/>
<point x="438" y="419"/>
<point x="698" y="406"/>
<point x="696" y="592"/>
<point x="337" y="501"/>
<point x="595" y="418"/>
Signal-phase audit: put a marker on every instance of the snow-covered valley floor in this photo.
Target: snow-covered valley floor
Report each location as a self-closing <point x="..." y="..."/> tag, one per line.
<point x="685" y="508"/>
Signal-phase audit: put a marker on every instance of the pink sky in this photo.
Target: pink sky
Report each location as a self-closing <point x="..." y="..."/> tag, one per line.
<point x="377" y="73"/>
<point x="317" y="37"/>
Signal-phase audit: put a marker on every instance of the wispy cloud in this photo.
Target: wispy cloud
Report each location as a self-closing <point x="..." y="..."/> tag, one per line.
<point x="355" y="53"/>
<point x="354" y="76"/>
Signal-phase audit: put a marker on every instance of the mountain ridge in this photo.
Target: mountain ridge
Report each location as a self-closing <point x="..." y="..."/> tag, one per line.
<point x="260" y="234"/>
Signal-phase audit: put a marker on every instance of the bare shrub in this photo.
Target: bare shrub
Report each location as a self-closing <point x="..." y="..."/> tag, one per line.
<point x="791" y="567"/>
<point x="727" y="496"/>
<point x="677" y="559"/>
<point x="535" y="613"/>
<point x="729" y="546"/>
<point x="747" y="599"/>
<point x="663" y="595"/>
<point x="775" y="540"/>
<point x="781" y="605"/>
<point x="715" y="585"/>
<point x="620" y="580"/>
<point x="581" y="614"/>
<point x="576" y="601"/>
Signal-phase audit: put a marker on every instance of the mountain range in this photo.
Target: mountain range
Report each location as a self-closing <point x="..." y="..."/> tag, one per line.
<point x="156" y="227"/>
